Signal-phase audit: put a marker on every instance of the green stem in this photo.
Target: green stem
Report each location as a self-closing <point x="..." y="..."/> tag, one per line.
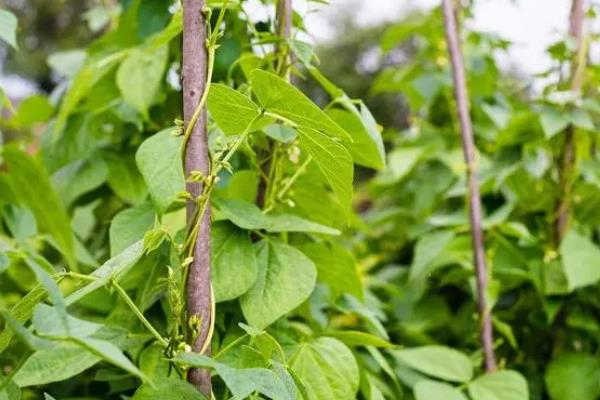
<point x="289" y="183"/>
<point x="139" y="313"/>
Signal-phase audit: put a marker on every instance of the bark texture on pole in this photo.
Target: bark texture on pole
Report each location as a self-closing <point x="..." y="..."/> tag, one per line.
<point x="468" y="144"/>
<point x="567" y="158"/>
<point x="197" y="159"/>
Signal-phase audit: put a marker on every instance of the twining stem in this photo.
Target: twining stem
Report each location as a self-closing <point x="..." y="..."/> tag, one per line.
<point x="288" y="185"/>
<point x="283" y="29"/>
<point x="468" y="144"/>
<point x="567" y="157"/>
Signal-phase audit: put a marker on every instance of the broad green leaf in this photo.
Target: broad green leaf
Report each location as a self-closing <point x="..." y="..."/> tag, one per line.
<point x="430" y="390"/>
<point x="581" y="260"/>
<point x="367" y="146"/>
<point x="46" y="321"/>
<point x="79" y="178"/>
<point x="10" y="391"/>
<point x="327" y="369"/>
<point x="110" y="353"/>
<point x="56" y="364"/>
<point x="242" y="382"/>
<point x="278" y="96"/>
<point x="336" y="267"/>
<point x="245" y="381"/>
<point x="428" y="247"/>
<point x="501" y="385"/>
<point x="334" y="162"/>
<point x="167" y="388"/>
<point x="401" y="162"/>
<point x="286" y="278"/>
<point x="81" y="85"/>
<point x="21" y="312"/>
<point x="159" y="160"/>
<point x="129" y="226"/>
<point x="499" y="115"/>
<point x="280" y="132"/>
<point x="125" y="179"/>
<point x="52" y="288"/>
<point x="581" y="119"/>
<point x="115" y="267"/>
<point x="233" y="262"/>
<point x="247" y="216"/>
<point x="242" y="185"/>
<point x="232" y="111"/>
<point x="40" y="198"/>
<point x="358" y="338"/>
<point x="439" y="362"/>
<point x="33" y="110"/>
<point x="553" y="121"/>
<point x="140" y="75"/>
<point x="573" y="376"/>
<point x="8" y="28"/>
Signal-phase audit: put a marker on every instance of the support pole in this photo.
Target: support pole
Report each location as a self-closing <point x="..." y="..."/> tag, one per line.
<point x="197" y="158"/>
<point x="466" y="130"/>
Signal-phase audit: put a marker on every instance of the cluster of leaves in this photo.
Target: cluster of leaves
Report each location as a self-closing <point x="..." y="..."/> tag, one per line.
<point x="416" y="241"/>
<point x="94" y="243"/>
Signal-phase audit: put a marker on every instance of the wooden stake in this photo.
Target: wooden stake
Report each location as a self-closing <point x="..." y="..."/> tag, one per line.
<point x="197" y="158"/>
<point x="466" y="130"/>
<point x="567" y="158"/>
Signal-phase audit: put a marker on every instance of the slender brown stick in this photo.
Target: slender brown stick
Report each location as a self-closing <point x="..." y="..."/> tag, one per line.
<point x="466" y="130"/>
<point x="197" y="158"/>
<point x="567" y="158"/>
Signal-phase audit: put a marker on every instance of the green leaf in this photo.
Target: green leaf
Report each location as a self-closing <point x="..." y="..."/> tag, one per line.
<point x="428" y="247"/>
<point x="159" y="160"/>
<point x="46" y="321"/>
<point x="110" y="353"/>
<point x="8" y="28"/>
<point x="336" y="267"/>
<point x="232" y="111"/>
<point x="581" y="260"/>
<point x="40" y="198"/>
<point x="327" y="369"/>
<point x="573" y="376"/>
<point x="553" y="121"/>
<point x="233" y="263"/>
<point x="430" y="390"/>
<point x="286" y="278"/>
<point x="367" y="146"/>
<point x="10" y="391"/>
<point x="125" y="179"/>
<point x="247" y="216"/>
<point x="129" y="226"/>
<point x="167" y="388"/>
<point x="358" y="338"/>
<point x="501" y="385"/>
<point x="56" y="364"/>
<point x="439" y="362"/>
<point x="140" y="75"/>
<point x="278" y="96"/>
<point x="115" y="267"/>
<point x="79" y="178"/>
<point x="242" y="382"/>
<point x="81" y="85"/>
<point x="52" y="288"/>
<point x="33" y="110"/>
<point x="280" y="132"/>
<point x="334" y="162"/>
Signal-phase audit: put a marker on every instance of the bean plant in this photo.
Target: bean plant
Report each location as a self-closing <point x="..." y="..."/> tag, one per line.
<point x="181" y="219"/>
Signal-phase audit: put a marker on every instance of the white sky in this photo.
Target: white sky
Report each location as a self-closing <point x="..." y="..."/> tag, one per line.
<point x="530" y="24"/>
